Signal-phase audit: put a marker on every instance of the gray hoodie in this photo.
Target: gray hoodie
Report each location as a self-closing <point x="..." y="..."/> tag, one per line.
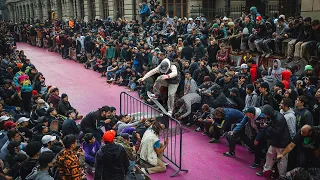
<point x="190" y="99"/>
<point x="276" y="73"/>
<point x="251" y="99"/>
<point x="291" y="121"/>
<point x="43" y="175"/>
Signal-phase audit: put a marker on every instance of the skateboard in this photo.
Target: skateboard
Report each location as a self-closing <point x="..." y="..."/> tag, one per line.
<point x="157" y="103"/>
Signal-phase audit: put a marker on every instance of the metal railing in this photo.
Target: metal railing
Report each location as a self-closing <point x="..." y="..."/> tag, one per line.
<point x="173" y="130"/>
<point x="236" y="11"/>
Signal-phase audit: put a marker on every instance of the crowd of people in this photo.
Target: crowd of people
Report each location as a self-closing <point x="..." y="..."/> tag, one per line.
<point x="271" y="111"/>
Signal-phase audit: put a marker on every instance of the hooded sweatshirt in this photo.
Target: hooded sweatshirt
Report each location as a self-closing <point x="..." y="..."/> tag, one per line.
<point x="291" y="121"/>
<point x="90" y="151"/>
<point x="286" y="79"/>
<point x="277" y="73"/>
<point x="251" y="99"/>
<point x="112" y="162"/>
<point x="246" y="120"/>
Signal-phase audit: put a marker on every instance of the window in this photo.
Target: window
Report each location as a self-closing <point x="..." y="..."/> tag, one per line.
<point x="176" y="8"/>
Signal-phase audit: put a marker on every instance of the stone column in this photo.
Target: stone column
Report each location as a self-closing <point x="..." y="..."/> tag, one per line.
<point x="78" y="9"/>
<point x="273" y="3"/>
<point x="128" y="9"/>
<point x="193" y="7"/>
<point x="99" y="9"/>
<point x="112" y="9"/>
<point x="87" y="14"/>
<point x="45" y="9"/>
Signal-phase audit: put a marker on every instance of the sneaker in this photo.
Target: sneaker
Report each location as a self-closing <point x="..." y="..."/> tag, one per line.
<point x="198" y="129"/>
<point x="228" y="154"/>
<point x="166" y="164"/>
<point x="204" y="133"/>
<point x="188" y="124"/>
<point x="268" y="55"/>
<point x="155" y="97"/>
<point x="260" y="173"/>
<point x="169" y="113"/>
<point x="254" y="165"/>
<point x="145" y="171"/>
<point x="213" y="140"/>
<point x="263" y="55"/>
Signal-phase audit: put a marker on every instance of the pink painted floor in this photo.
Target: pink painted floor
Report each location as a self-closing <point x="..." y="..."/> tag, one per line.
<point x="87" y="92"/>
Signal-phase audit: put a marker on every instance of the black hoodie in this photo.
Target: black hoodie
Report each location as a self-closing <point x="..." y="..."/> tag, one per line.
<point x="112" y="162"/>
<point x="277" y="131"/>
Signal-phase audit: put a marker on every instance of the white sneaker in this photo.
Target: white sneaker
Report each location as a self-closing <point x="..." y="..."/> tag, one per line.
<point x="153" y="96"/>
<point x="263" y="55"/>
<point x="169" y="113"/>
<point x="166" y="164"/>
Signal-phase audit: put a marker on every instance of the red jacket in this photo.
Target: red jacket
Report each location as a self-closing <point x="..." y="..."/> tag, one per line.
<point x="253" y="72"/>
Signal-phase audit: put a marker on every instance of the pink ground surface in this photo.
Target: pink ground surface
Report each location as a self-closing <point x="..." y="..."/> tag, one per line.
<point x="87" y="92"/>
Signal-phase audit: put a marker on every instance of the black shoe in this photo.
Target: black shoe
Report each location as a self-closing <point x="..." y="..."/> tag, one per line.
<point x="260" y="173"/>
<point x="228" y="154"/>
<point x="255" y="165"/>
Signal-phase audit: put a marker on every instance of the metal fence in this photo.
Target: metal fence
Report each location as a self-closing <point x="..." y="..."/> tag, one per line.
<point x="136" y="108"/>
<point x="236" y="11"/>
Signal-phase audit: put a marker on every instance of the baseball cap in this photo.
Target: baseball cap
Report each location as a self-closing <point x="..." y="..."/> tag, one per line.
<point x="244" y="66"/>
<point x="164" y="65"/>
<point x="48" y="138"/>
<point x="308" y="67"/>
<point x="9" y="124"/>
<point x="22" y="119"/>
<point x="259" y="18"/>
<point x="4" y="118"/>
<point x="108" y="136"/>
<point x="197" y="39"/>
<point x="41" y="101"/>
<point x="227" y="74"/>
<point x="190" y="19"/>
<point x="249" y="110"/>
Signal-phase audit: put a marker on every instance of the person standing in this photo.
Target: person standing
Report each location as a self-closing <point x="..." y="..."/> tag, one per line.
<point x="68" y="160"/>
<point x="111" y="162"/>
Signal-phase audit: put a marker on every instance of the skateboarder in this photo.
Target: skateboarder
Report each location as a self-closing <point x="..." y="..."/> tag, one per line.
<point x="170" y="77"/>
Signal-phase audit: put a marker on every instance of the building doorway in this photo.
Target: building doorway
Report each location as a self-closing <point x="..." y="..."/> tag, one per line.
<point x="176" y="8"/>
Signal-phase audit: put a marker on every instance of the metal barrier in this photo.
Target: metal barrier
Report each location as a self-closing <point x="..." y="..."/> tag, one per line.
<point x="136" y="108"/>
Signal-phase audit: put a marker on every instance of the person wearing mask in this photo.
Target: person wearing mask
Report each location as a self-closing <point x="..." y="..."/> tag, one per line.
<point x="46" y="161"/>
<point x="111" y="161"/>
<point x="91" y="122"/>
<point x="68" y="159"/>
<point x="151" y="150"/>
<point x="277" y="132"/>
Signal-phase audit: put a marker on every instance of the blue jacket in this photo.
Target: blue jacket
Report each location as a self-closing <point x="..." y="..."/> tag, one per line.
<point x="144" y="9"/>
<point x="90" y="151"/>
<point x="231" y="116"/>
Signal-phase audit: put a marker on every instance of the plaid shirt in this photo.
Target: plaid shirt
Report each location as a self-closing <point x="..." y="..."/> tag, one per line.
<point x="69" y="165"/>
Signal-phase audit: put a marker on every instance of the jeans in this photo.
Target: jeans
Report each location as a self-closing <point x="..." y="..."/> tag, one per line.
<point x="172" y="89"/>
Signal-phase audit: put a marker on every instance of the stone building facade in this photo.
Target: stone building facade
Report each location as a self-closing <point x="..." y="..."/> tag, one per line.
<point x="102" y="9"/>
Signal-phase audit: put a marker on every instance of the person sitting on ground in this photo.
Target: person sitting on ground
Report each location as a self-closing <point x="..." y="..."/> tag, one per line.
<point x="54" y="98"/>
<point x="46" y="161"/>
<point x="151" y="150"/>
<point x="47" y="142"/>
<point x="90" y="147"/>
<point x="125" y="122"/>
<point x="33" y="151"/>
<point x="111" y="160"/>
<point x="69" y="125"/>
<point x="64" y="106"/>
